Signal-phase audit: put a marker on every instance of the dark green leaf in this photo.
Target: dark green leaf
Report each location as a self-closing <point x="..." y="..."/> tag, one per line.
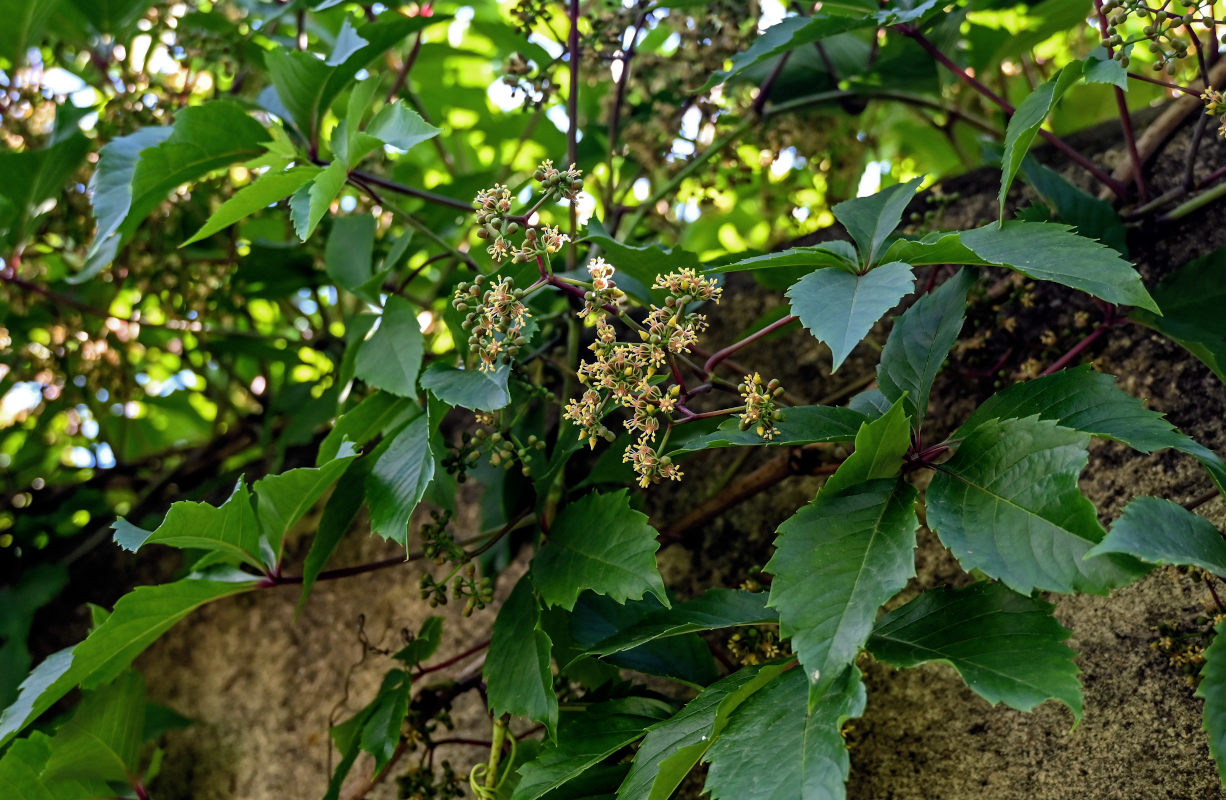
<point x="1091" y="216"/>
<point x="339" y="514"/>
<point x="401" y="127"/>
<point x="403" y="468"/>
<point x="140" y="617"/>
<point x="309" y="204"/>
<point x="1007" y="647"/>
<point x="265" y="190"/>
<point x="1007" y="503"/>
<point x="787" y="35"/>
<point x="1025" y="123"/>
<point x="468" y="388"/>
<point x="32" y="177"/>
<point x="1101" y="69"/>
<point x="919" y="344"/>
<point x="840" y="308"/>
<point x="837" y="254"/>
<point x="1091" y="402"/>
<point x="714" y="609"/>
<point x="378" y="413"/>
<point x="37" y="586"/>
<point x="1159" y="531"/>
<point x="673" y="747"/>
<point x="599" y="543"/>
<point x="637" y="267"/>
<point x="870" y="220"/>
<point x="836" y="560"/>
<point x="111" y="183"/>
<point x="800" y="425"/>
<point x="1192" y="299"/>
<point x="348" y="42"/>
<point x="587" y="738"/>
<point x="1051" y="252"/>
<point x="111" y="16"/>
<point x="424" y="644"/>
<point x="230" y="529"/>
<point x="24" y="23"/>
<point x="349" y="252"/>
<point x="517" y="675"/>
<point x="772" y="749"/>
<point x="375" y="729"/>
<point x="1212" y="690"/>
<point x="391" y="357"/>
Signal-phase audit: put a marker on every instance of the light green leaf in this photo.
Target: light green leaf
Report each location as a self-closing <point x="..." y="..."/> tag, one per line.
<point x="20" y="768"/>
<point x="1159" y="531"/>
<point x="102" y="740"/>
<point x="140" y="617"/>
<point x="935" y="248"/>
<point x="1091" y="402"/>
<point x="468" y="388"/>
<point x="1050" y="252"/>
<point x="837" y="254"/>
<point x="282" y="500"/>
<point x="836" y="561"/>
<point x="1007" y="647"/>
<point x="265" y="190"/>
<point x="800" y="425"/>
<point x="403" y="468"/>
<point x="391" y="357"/>
<point x="230" y="529"/>
<point x="880" y="447"/>
<point x="517" y="675"/>
<point x="424" y="644"/>
<point x="1101" y="69"/>
<point x="1192" y="298"/>
<point x="587" y="738"/>
<point x="309" y="204"/>
<point x="772" y="749"/>
<point x="919" y="344"/>
<point x="840" y="308"/>
<point x="870" y="220"/>
<point x="714" y="609"/>
<point x="1025" y="123"/>
<point x="350" y="250"/>
<point x="1212" y="690"/>
<point x="401" y="127"/>
<point x="674" y="746"/>
<point x="1007" y="503"/>
<point x="348" y="42"/>
<point x="787" y="35"/>
<point x="375" y="729"/>
<point x="599" y="543"/>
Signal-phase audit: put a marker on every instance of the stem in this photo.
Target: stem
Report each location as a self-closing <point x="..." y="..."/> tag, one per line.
<point x="572" y="129"/>
<point x="400" y="188"/>
<point x="403" y="75"/>
<point x="1111" y="183"/>
<point x="472" y="651"/>
<point x="1125" y="118"/>
<point x="1159" y="82"/>
<point x="1196" y="203"/>
<point x="720" y="355"/>
<point x="1077" y="349"/>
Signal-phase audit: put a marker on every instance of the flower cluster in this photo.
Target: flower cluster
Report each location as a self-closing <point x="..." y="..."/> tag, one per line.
<point x="567" y="183"/>
<point x="496" y="223"/>
<point x="603" y="292"/>
<point x="1215" y="106"/>
<point x="761" y="413"/>
<point x="632" y="375"/>
<point x="495" y="318"/>
<point x="1162" y="29"/>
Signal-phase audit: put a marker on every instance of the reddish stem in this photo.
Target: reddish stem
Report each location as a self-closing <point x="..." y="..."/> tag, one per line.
<point x="453" y="660"/>
<point x="720" y="355"/>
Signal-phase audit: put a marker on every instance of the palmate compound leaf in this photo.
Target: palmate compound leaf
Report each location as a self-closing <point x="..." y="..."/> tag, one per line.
<point x="920" y="342"/>
<point x="599" y="543"/>
<point x="1093" y="403"/>
<point x="1160" y="531"/>
<point x="1007" y="503"/>
<point x="1212" y="690"/>
<point x="847" y="552"/>
<point x="517" y="675"/>
<point x="283" y="499"/>
<point x="840" y="307"/>
<point x="585" y="739"/>
<point x="1006" y="646"/>
<point x="261" y="193"/>
<point x="870" y="220"/>
<point x="772" y="750"/>
<point x="714" y="609"/>
<point x="674" y="746"/>
<point x="140" y="617"/>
